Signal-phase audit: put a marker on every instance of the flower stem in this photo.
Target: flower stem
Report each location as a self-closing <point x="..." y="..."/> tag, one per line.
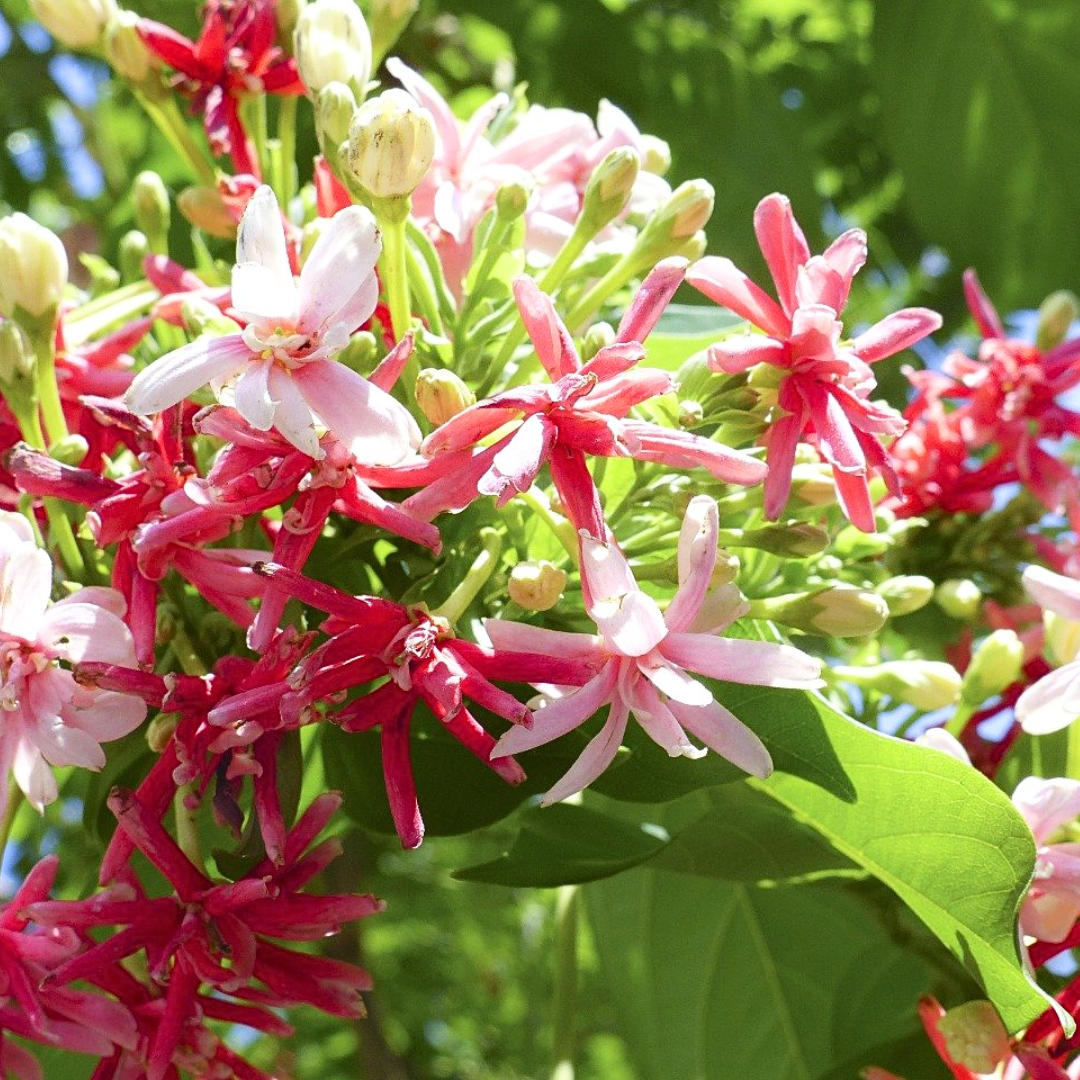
<point x="394" y="275"/>
<point x="567" y="918"/>
<point x="286" y="130"/>
<point x="169" y="121"/>
<point x="11" y="812"/>
<point x="43" y="342"/>
<point x="482" y="568"/>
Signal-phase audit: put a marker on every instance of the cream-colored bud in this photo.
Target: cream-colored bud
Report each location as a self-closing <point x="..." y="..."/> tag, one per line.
<point x="206" y="210"/>
<point x="1062" y="638"/>
<point x="995" y="664"/>
<point x="926" y="684"/>
<point x="1056" y="314"/>
<point x="333" y="44"/>
<point x="334" y="109"/>
<point x="536" y="585"/>
<point x="131" y="254"/>
<point x="151" y="203"/>
<point x="512" y="199"/>
<point x="201" y="317"/>
<point x="78" y="24"/>
<point x="35" y="267"/>
<point x="388" y="19"/>
<point x="689" y="208"/>
<point x="959" y="597"/>
<point x="16" y="353"/>
<point x="609" y="188"/>
<point x="837" y="611"/>
<point x="975" y="1036"/>
<point x="126" y="50"/>
<point x="441" y="395"/>
<point x="597" y="337"/>
<point x="812" y="485"/>
<point x="656" y="155"/>
<point x="906" y="593"/>
<point x="391" y="144"/>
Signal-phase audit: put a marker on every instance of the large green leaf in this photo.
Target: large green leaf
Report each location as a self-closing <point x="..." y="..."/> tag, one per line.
<point x="720" y="981"/>
<point x="942" y="837"/>
<point x="976" y="109"/>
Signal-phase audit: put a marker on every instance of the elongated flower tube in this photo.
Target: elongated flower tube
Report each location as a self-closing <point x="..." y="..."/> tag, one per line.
<point x="644" y="659"/>
<point x="280" y="367"/>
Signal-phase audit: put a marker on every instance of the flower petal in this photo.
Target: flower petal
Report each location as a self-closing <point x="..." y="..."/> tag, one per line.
<point x="755" y="663"/>
<point x="895" y="332"/>
<point x="262" y="283"/>
<point x="721" y="730"/>
<point x="292" y="416"/>
<point x="1046" y="805"/>
<point x="81" y="632"/>
<point x="724" y="283"/>
<point x="1052" y="703"/>
<point x="594" y="759"/>
<point x="782" y="243"/>
<point x="172" y="377"/>
<point x="696" y="560"/>
<point x="251" y="395"/>
<point x="1054" y="592"/>
<point x="25" y="584"/>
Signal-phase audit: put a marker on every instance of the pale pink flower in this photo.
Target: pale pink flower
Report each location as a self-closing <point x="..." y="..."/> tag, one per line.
<point x="48" y="718"/>
<point x="1052" y="903"/>
<point x="279" y="370"/>
<point x="1053" y="702"/>
<point x="825" y="395"/>
<point x="643" y="658"/>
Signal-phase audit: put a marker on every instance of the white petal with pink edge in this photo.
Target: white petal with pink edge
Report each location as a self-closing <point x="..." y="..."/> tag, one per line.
<point x="594" y="759"/>
<point x="25" y="584"/>
<point x="174" y="376"/>
<point x="1052" y="703"/>
<point x="1046" y="804"/>
<point x="722" y="731"/>
<point x="756" y="663"/>
<point x="81" y="632"/>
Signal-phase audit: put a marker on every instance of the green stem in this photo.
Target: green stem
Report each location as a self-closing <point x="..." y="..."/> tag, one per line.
<point x="457" y="603"/>
<point x="62" y="534"/>
<point x="11" y="812"/>
<point x="964" y="712"/>
<point x="562" y="527"/>
<point x="613" y="280"/>
<point x="187" y="826"/>
<point x="394" y="276"/>
<point x="43" y="342"/>
<point x="1072" y="752"/>
<point x="286" y="130"/>
<point x="169" y="121"/>
<point x="567" y="917"/>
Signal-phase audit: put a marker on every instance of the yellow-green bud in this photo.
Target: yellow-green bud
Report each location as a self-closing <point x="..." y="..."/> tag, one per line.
<point x="926" y="684"/>
<point x="835" y="611"/>
<point x="131" y="252"/>
<point x="334" y="109"/>
<point x="332" y="44"/>
<point x="35" y="267"/>
<point x="391" y="144"/>
<point x="906" y="593"/>
<point x="441" y="395"/>
<point x="1056" y="314"/>
<point x="512" y="199"/>
<point x="201" y="317"/>
<point x="674" y="229"/>
<point x="1062" y="638"/>
<point x="361" y="354"/>
<point x="286" y="13"/>
<point x="597" y="337"/>
<point x="16" y="353"/>
<point x="798" y="540"/>
<point x="812" y="485"/>
<point x="388" y="18"/>
<point x="536" y="585"/>
<point x="159" y="731"/>
<point x="975" y="1036"/>
<point x="78" y="24"/>
<point x="609" y="187"/>
<point x="726" y="570"/>
<point x="151" y="202"/>
<point x="959" y="598"/>
<point x="995" y="664"/>
<point x="126" y="50"/>
<point x="656" y="155"/>
<point x="205" y="209"/>
<point x="691" y="414"/>
<point x="70" y="450"/>
<point x="310" y="236"/>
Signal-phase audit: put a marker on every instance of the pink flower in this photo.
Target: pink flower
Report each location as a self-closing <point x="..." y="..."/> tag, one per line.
<point x="825" y="394"/>
<point x="279" y="368"/>
<point x="643" y="657"/>
<point x="1053" y="702"/>
<point x="48" y="719"/>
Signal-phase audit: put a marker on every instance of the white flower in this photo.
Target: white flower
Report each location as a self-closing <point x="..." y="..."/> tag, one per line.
<point x="279" y="368"/>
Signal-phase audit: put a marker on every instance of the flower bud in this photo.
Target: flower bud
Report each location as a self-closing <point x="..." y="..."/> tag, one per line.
<point x="959" y="598"/>
<point x="334" y="109"/>
<point x="1062" y="638"/>
<point x="926" y="684"/>
<point x="797" y="540"/>
<point x="677" y="223"/>
<point x="441" y="395"/>
<point x="159" y="731"/>
<point x="388" y="19"/>
<point x="812" y="485"/>
<point x="906" y="593"/>
<point x="131" y="251"/>
<point x="536" y="585"/>
<point x="16" y="354"/>
<point x="201" y="317"/>
<point x="35" y="268"/>
<point x="655" y="155"/>
<point x="151" y="202"/>
<point x="206" y="210"/>
<point x="70" y="450"/>
<point x="512" y="199"/>
<point x="391" y="144"/>
<point x="78" y="24"/>
<point x="995" y="664"/>
<point x="333" y="44"/>
<point x="691" y="414"/>
<point x="597" y="337"/>
<point x="975" y="1036"/>
<point x="126" y="50"/>
<point x="609" y="188"/>
<point x="836" y="611"/>
<point x="1056" y="314"/>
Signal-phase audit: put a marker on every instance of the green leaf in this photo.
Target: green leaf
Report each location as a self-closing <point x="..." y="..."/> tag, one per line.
<point x="719" y="981"/>
<point x="565" y="845"/>
<point x="942" y="837"/>
<point x="989" y="163"/>
<point x="686" y="329"/>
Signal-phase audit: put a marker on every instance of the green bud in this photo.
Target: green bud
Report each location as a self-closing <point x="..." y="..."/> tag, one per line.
<point x="310" y="235"/>
<point x="1056" y="314"/>
<point x="441" y="395"/>
<point x="1062" y="638"/>
<point x="17" y="358"/>
<point x="35" y="268"/>
<point x="812" y="485"/>
<point x="597" y="337"/>
<point x="362" y="352"/>
<point x="334" y="109"/>
<point x="656" y="155"/>
<point x="391" y="144"/>
<point x="131" y="252"/>
<point x="959" y="598"/>
<point x="160" y="730"/>
<point x="906" y="593"/>
<point x="676" y="223"/>
<point x="926" y="684"/>
<point x="835" y="611"/>
<point x="202" y="317"/>
<point x="797" y="540"/>
<point x="512" y="198"/>
<point x="691" y="414"/>
<point x="78" y="24"/>
<point x="854" y="544"/>
<point x="387" y="19"/>
<point x="536" y="585"/>
<point x="995" y="664"/>
<point x="609" y="188"/>
<point x="205" y="209"/>
<point x="975" y="1037"/>
<point x="152" y="212"/>
<point x="126" y="50"/>
<point x="71" y="450"/>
